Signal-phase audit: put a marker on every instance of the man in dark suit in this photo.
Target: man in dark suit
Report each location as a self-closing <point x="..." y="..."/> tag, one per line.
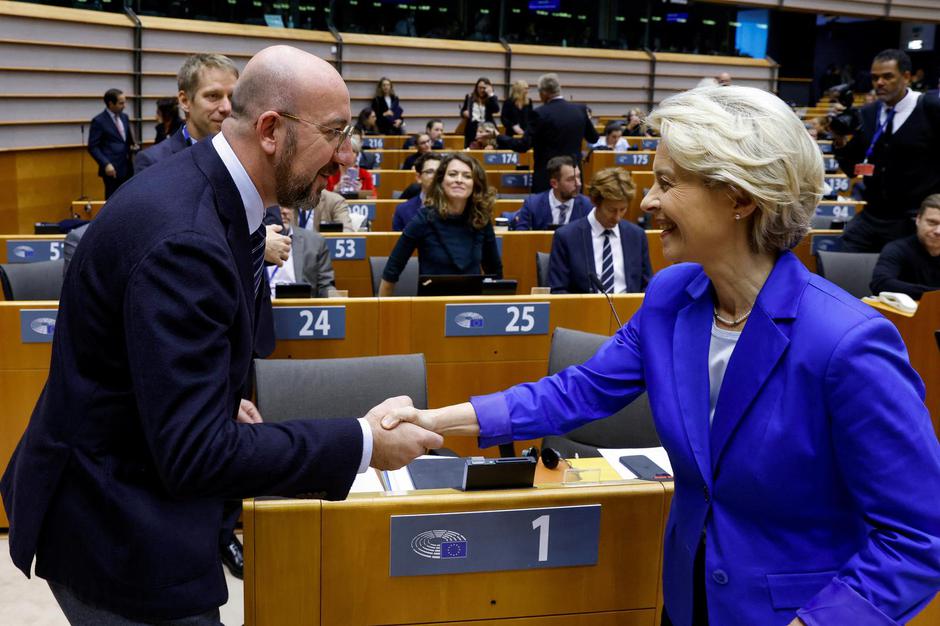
<point x="556" y="128"/>
<point x="897" y="150"/>
<point x="604" y="244"/>
<point x="205" y="83"/>
<point x="111" y="142"/>
<point x="425" y="167"/>
<point x="561" y="204"/>
<point x="140" y="434"/>
<point x="309" y="260"/>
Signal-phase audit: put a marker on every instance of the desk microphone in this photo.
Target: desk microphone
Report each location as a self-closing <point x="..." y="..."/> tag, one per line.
<point x="596" y="282"/>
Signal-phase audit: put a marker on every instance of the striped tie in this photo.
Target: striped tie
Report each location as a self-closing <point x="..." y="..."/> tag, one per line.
<point x="256" y="242"/>
<point x="607" y="264"/>
<point x="562" y="213"/>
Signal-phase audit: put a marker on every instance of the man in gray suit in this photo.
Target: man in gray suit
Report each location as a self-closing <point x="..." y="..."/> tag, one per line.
<point x="309" y="261"/>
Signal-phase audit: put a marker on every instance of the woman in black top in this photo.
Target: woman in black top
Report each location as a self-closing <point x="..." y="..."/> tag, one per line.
<point x="388" y="111"/>
<point x="366" y="122"/>
<point x="479" y="106"/>
<point x="517" y="109"/>
<point x="453" y="232"/>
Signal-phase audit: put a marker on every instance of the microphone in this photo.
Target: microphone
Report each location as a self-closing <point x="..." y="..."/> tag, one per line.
<point x="596" y="282"/>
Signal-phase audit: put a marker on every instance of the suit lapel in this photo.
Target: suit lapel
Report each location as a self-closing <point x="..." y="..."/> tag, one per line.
<point x="761" y="346"/>
<point x="297" y="251"/>
<point x="691" y="339"/>
<point x="545" y="207"/>
<point x="231" y="211"/>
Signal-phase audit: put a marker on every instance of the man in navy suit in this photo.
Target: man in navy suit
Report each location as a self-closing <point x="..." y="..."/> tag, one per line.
<point x="117" y="485"/>
<point x="425" y="167"/>
<point x="111" y="141"/>
<point x="557" y="127"/>
<point x="561" y="204"/>
<point x="205" y="83"/>
<point x="604" y="244"/>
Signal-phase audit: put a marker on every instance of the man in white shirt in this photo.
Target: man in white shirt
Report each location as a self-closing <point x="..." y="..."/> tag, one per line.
<point x="308" y="262"/>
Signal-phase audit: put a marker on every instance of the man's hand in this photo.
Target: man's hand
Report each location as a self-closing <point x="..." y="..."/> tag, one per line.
<point x="248" y="413"/>
<point x="392" y="449"/>
<point x="110" y="171"/>
<point x="276" y="247"/>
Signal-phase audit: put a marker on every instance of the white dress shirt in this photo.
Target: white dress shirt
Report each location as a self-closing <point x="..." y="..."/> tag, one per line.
<point x="616" y="250"/>
<point x="555" y="203"/>
<point x="622" y="144"/>
<point x="254" y="211"/>
<point x="283" y="275"/>
<point x="719" y="353"/>
<point x="902" y="110"/>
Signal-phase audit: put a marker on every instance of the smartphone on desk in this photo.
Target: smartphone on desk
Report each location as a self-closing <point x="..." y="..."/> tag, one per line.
<point x="644" y="468"/>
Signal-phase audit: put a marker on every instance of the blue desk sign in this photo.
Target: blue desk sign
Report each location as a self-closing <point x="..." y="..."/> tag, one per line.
<point x="501" y="158"/>
<point x="37" y="325"/>
<point x="34" y="251"/>
<point x="347" y="248"/>
<point x="362" y="208"/>
<point x="516" y="180"/>
<point x="826" y="243"/>
<point x="494" y="541"/>
<point x="632" y="158"/>
<point x="838" y="183"/>
<point x="825" y="148"/>
<point x="376" y="143"/>
<point x="841" y="212"/>
<point x="650" y="144"/>
<point x="310" y="322"/>
<point x="830" y="164"/>
<point x="474" y="320"/>
<point x="378" y="161"/>
<point x="376" y="179"/>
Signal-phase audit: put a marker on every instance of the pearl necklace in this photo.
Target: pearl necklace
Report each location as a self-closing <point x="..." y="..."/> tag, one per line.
<point x="733" y="322"/>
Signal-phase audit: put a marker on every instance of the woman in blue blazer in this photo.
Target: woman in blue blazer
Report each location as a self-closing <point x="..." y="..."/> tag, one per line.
<point x="807" y="473"/>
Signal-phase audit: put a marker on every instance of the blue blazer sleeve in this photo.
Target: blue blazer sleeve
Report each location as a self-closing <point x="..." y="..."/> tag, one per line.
<point x="414" y="231"/>
<point x="197" y="449"/>
<point x="95" y="139"/>
<point x="880" y="425"/>
<point x="559" y="264"/>
<point x="557" y="404"/>
<point x="524" y="216"/>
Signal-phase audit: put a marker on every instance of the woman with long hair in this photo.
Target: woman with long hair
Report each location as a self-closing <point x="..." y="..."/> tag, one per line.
<point x="388" y="112"/>
<point x="517" y="109"/>
<point x="453" y="232"/>
<point x="478" y="106"/>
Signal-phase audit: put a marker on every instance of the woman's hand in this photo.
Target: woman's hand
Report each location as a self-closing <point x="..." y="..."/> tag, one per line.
<point x="457" y="419"/>
<point x="388" y="114"/>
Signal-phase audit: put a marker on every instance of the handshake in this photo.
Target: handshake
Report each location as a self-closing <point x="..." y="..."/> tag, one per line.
<point x="401" y="433"/>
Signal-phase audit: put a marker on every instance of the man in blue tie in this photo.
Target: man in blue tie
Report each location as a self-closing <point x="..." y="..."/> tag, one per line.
<point x="111" y="142"/>
<point x="561" y="204"/>
<point x="896" y="149"/>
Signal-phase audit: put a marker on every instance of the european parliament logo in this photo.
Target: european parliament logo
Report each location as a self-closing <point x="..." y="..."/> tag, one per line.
<point x="23" y="252"/>
<point x="440" y="544"/>
<point x="43" y="325"/>
<point x="469" y="319"/>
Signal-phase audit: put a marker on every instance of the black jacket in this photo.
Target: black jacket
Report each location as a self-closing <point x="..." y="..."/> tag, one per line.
<point x="556" y="128"/>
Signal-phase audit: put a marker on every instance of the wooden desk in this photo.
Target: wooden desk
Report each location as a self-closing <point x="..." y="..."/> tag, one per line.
<point x="391" y="181"/>
<point x="312" y="562"/>
<point x="641" y="160"/>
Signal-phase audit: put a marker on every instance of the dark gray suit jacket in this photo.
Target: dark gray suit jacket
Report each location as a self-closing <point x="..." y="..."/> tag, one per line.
<point x="312" y="263"/>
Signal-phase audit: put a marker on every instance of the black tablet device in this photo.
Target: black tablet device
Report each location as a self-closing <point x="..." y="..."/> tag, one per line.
<point x="293" y="290"/>
<point x="500" y="473"/>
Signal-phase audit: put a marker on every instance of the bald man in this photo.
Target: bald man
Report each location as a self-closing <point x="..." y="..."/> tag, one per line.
<point x="118" y="484"/>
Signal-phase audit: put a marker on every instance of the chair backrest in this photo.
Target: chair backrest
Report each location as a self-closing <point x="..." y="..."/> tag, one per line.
<point x="324" y="388"/>
<point x="850" y="270"/>
<point x="821" y="222"/>
<point x="630" y="427"/>
<point x="407" y="284"/>
<point x="32" y="281"/>
<point x="541" y="268"/>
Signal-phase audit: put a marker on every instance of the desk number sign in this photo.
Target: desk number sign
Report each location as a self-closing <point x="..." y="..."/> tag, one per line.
<point x="347" y="248"/>
<point x="632" y="158"/>
<point x="475" y="320"/>
<point x="37" y="325"/>
<point x="363" y="208"/>
<point x="493" y="541"/>
<point x="309" y="322"/>
<point x="33" y="251"/>
<point x="501" y="158"/>
<point x="516" y="180"/>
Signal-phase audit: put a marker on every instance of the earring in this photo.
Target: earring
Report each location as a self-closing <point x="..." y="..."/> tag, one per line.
<point x="737" y="216"/>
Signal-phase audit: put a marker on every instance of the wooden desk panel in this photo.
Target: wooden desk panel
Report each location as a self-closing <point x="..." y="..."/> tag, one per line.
<point x="391" y="181"/>
<point x="393" y="159"/>
<point x="362" y="318"/>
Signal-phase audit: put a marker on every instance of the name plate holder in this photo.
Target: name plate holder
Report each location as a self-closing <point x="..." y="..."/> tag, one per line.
<point x="504" y="318"/>
<point x="309" y="322"/>
<point x="34" y="250"/>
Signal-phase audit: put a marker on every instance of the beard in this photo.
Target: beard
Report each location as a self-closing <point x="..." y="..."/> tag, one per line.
<point x="295" y="191"/>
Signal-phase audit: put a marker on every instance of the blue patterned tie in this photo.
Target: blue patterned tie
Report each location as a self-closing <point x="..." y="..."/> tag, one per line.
<point x="256" y="243"/>
<point x="562" y="213"/>
<point x="607" y="264"/>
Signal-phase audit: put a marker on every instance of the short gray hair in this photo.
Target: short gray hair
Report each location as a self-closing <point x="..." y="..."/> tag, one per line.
<point x="749" y="140"/>
<point x="549" y="85"/>
<point x="187" y="79"/>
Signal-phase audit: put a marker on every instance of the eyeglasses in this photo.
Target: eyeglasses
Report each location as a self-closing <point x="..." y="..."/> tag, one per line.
<point x="429" y="170"/>
<point x="342" y="135"/>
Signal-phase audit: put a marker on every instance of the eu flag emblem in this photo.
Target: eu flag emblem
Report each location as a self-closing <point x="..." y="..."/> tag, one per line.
<point x="453" y="549"/>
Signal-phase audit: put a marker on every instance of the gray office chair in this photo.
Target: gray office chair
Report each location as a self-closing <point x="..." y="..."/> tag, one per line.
<point x="407" y="284"/>
<point x="541" y="268"/>
<point x="630" y="427"/>
<point x="32" y="281"/>
<point x="850" y="270"/>
<point x="324" y="388"/>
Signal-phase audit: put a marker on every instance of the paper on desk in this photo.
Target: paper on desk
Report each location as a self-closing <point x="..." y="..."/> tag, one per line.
<point x="400" y="479"/>
<point x="656" y="455"/>
<point x="367" y="482"/>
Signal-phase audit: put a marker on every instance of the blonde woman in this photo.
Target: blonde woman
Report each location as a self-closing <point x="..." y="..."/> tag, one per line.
<point x="516" y="109"/>
<point x="806" y="467"/>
